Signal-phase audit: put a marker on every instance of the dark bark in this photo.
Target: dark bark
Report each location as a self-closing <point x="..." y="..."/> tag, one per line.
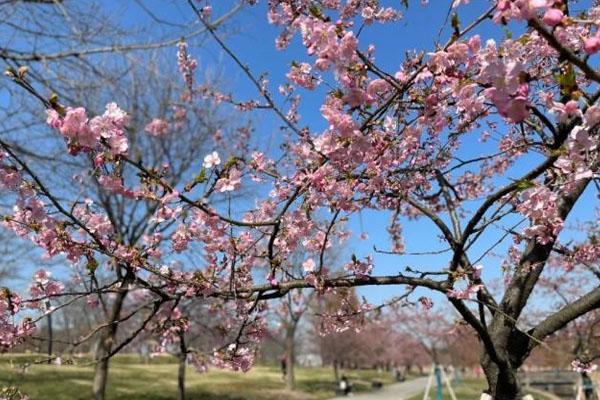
<point x="503" y="382"/>
<point x="105" y="344"/>
<point x="588" y="302"/>
<point x="290" y="354"/>
<point x="504" y="346"/>
<point x="182" y="366"/>
<point x="50" y="332"/>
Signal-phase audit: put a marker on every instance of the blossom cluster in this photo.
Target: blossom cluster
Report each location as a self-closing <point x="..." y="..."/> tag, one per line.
<point x="82" y="134"/>
<point x="43" y="287"/>
<point x="187" y="65"/>
<point x="539" y="204"/>
<point x="582" y="366"/>
<point x="11" y="331"/>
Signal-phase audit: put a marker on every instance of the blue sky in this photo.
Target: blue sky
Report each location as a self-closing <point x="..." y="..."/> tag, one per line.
<point x="254" y="43"/>
<point x="253" y="40"/>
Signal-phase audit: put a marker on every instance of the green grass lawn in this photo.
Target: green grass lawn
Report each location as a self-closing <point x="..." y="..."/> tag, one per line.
<point x="157" y="381"/>
<point x="468" y="389"/>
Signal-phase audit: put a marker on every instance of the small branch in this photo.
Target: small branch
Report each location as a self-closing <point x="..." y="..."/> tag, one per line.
<point x="564" y="52"/>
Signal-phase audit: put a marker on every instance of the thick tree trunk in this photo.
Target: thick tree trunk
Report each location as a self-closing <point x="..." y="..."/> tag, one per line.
<point x="501" y="371"/>
<point x="290" y="355"/>
<point x="503" y="383"/>
<point x="105" y="343"/>
<point x="50" y="334"/>
<point x="181" y="377"/>
<point x="181" y="370"/>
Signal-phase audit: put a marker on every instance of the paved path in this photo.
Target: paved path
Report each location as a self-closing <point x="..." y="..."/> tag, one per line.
<point x="397" y="391"/>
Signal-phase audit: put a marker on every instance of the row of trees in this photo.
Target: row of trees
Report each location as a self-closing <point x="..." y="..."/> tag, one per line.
<point x="172" y="214"/>
<point x="409" y="338"/>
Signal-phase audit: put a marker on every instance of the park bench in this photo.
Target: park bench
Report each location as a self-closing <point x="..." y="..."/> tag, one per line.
<point x="558" y="382"/>
<point x="376" y="384"/>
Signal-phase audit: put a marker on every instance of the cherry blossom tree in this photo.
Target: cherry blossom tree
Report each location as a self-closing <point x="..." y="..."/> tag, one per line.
<point x="335" y="325"/>
<point x="577" y="343"/>
<point x="293" y="307"/>
<point x="432" y="330"/>
<point x="439" y="334"/>
<point x="88" y="34"/>
<point x="489" y="137"/>
<point x="382" y="339"/>
<point x="289" y="314"/>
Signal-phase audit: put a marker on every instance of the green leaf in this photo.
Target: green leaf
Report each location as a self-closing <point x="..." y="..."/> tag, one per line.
<point x="91" y="265"/>
<point x="566" y="79"/>
<point x="558" y="152"/>
<point x="201" y="178"/>
<point x="524" y="185"/>
<point x="315" y="11"/>
<point x="455" y="22"/>
<point x="230" y="163"/>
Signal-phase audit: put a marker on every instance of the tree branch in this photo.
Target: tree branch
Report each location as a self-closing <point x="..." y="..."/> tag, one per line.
<point x="588" y="302"/>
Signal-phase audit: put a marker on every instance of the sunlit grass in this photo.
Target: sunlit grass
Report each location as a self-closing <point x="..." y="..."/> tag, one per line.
<point x="157" y="381"/>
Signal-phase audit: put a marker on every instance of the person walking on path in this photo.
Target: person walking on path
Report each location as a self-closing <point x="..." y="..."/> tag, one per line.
<point x="283" y="366"/>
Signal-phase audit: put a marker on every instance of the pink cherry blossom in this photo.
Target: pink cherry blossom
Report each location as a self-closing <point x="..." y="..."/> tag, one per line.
<point x="43" y="289"/>
<point x="301" y="75"/>
<point x="206" y="11"/>
<point x="553" y="16"/>
<point x="157" y="127"/>
<point x="581" y="366"/>
<point x="309" y="265"/>
<point x="231" y="182"/>
<point x="211" y="160"/>
<point x="10" y="178"/>
<point x="426" y="302"/>
<point x="114" y="184"/>
<point x="187" y="65"/>
<point x="467" y="293"/>
<point x="592" y="44"/>
<point x="361" y="268"/>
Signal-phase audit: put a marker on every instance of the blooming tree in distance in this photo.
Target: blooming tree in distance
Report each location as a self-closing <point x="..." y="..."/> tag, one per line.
<point x="491" y="140"/>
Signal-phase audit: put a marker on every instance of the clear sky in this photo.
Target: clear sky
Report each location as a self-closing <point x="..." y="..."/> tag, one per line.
<point x="253" y="40"/>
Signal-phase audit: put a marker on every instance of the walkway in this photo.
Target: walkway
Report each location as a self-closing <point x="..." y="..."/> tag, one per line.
<point x="397" y="391"/>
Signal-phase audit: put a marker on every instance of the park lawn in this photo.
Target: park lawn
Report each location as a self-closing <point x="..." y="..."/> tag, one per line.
<point x="157" y="381"/>
<point x="468" y="389"/>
